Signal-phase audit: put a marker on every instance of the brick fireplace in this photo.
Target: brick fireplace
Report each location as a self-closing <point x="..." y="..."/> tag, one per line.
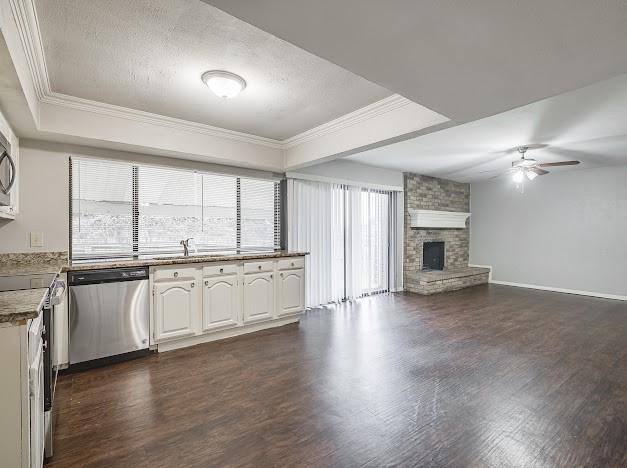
<point x="430" y="193"/>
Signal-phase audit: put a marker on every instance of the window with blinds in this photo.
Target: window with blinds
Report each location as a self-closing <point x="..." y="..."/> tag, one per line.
<point x="102" y="208"/>
<point x="257" y="198"/>
<point x="124" y="209"/>
<point x="169" y="208"/>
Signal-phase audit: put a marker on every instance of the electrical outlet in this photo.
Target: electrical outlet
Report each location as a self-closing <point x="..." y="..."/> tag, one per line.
<point x="36" y="239"/>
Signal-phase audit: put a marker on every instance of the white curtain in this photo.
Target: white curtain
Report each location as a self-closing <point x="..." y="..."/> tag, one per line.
<point x="315" y="225"/>
<point x="352" y="235"/>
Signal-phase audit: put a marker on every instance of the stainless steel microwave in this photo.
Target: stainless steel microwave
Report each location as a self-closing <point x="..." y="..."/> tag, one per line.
<point x="7" y="171"/>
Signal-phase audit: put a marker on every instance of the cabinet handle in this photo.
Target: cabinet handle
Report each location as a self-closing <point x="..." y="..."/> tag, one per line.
<point x="259" y="267"/>
<point x="271" y="276"/>
<point x="206" y="283"/>
<point x="281" y="275"/>
<point x="176" y="274"/>
<point x="221" y="270"/>
<point x="292" y="264"/>
<point x="193" y="284"/>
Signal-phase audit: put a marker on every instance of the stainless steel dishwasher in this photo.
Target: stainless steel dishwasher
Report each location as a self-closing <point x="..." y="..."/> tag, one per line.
<point x="109" y="315"/>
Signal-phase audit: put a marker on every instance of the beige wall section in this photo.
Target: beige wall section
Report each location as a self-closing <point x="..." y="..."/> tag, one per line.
<point x="44" y="203"/>
<point x="342" y="171"/>
<point x="44" y="190"/>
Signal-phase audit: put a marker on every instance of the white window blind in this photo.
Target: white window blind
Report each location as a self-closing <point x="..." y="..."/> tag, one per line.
<point x="169" y="208"/>
<point x="346" y="229"/>
<point x="219" y="212"/>
<point x="375" y="227"/>
<point x="102" y="203"/>
<point x="257" y="210"/>
<point x="149" y="210"/>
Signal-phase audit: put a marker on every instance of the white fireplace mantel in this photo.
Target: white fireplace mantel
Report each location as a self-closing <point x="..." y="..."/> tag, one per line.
<point x="438" y="219"/>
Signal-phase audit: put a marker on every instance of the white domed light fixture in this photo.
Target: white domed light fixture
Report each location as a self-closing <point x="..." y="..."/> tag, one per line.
<point x="223" y="83"/>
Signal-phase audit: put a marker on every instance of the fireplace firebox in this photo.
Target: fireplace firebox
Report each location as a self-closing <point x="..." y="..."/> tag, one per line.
<point x="433" y="256"/>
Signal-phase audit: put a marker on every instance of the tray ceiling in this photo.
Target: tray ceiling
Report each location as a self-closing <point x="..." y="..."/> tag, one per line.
<point x="149" y="54"/>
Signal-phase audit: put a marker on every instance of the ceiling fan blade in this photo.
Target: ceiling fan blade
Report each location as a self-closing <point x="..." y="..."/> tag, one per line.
<point x="562" y="163"/>
<point x="538" y="171"/>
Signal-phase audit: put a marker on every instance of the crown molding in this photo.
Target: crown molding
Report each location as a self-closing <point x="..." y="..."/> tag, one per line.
<point x="370" y="111"/>
<point x="111" y="110"/>
<point x="25" y="16"/>
<point x="27" y="23"/>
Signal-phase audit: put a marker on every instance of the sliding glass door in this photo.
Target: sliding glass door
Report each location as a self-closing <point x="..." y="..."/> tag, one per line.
<point x="346" y="229"/>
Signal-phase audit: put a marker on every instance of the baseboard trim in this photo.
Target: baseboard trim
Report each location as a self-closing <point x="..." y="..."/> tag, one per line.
<point x="562" y="290"/>
<point x="615" y="297"/>
<point x="226" y="333"/>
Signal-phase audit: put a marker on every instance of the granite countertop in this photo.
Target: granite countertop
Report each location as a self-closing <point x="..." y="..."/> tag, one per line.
<point x="18" y="306"/>
<point x="177" y="260"/>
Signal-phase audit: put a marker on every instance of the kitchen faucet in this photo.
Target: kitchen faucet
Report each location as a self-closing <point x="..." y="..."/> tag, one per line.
<point x="185" y="244"/>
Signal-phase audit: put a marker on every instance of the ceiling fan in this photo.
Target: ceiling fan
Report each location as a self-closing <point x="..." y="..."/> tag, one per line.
<point x="530" y="168"/>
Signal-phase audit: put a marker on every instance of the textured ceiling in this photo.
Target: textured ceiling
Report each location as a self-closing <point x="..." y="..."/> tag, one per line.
<point x="463" y="59"/>
<point x="149" y="55"/>
<point x="589" y="125"/>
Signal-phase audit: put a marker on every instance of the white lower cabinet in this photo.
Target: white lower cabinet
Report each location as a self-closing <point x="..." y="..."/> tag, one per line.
<point x="291" y="291"/>
<point x="258" y="297"/>
<point x="176" y="308"/>
<point x="193" y="300"/>
<point x="220" y="302"/>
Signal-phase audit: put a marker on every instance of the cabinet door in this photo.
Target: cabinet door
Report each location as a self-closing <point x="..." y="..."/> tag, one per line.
<point x="291" y="291"/>
<point x="36" y="393"/>
<point x="220" y="306"/>
<point x="258" y="297"/>
<point x="175" y="309"/>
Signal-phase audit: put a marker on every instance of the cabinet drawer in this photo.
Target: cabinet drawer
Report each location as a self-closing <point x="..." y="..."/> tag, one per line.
<point x="291" y="263"/>
<point x="174" y="273"/>
<point x="256" y="267"/>
<point x="218" y="270"/>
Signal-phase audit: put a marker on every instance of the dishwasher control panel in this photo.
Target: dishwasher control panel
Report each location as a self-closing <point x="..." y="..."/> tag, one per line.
<point x="108" y="275"/>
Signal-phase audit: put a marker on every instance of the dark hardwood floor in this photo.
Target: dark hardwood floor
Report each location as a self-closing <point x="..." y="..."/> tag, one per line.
<point x="489" y="376"/>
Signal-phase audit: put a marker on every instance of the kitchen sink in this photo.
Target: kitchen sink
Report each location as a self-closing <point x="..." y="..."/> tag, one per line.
<point x="211" y="254"/>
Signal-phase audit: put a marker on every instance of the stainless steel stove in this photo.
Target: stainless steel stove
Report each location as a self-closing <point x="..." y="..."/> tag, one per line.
<point x="54" y="296"/>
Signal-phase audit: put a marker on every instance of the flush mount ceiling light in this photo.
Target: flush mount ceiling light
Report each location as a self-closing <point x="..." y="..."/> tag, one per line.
<point x="223" y="83"/>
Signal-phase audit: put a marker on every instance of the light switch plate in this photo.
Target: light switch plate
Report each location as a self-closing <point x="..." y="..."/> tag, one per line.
<point x="36" y="239"/>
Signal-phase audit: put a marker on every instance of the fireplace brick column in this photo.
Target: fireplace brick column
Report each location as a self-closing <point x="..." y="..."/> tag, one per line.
<point x="430" y="193"/>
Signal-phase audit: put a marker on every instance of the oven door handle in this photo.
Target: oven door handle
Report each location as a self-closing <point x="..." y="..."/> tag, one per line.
<point x="58" y="291"/>
<point x="6" y="189"/>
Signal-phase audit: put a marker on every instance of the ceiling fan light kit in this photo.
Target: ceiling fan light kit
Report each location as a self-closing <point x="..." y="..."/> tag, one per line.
<point x="531" y="168"/>
<point x="518" y="176"/>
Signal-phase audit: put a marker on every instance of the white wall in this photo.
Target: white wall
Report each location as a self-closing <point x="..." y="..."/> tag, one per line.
<point x="343" y="171"/>
<point x="567" y="231"/>
<point x="43" y="203"/>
